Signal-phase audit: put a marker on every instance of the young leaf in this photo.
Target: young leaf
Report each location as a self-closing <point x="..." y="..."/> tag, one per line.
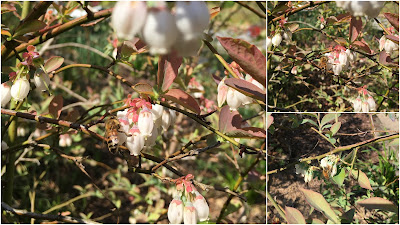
<point x="378" y="203"/>
<point x="362" y="179"/>
<point x="168" y="66"/>
<point x="393" y="19"/>
<point x="355" y="28"/>
<point x="339" y="178"/>
<point x="55" y="106"/>
<point x="317" y="201"/>
<point x="183" y="98"/>
<point x="246" y="88"/>
<point x="335" y="128"/>
<point x="53" y="63"/>
<point x="294" y="216"/>
<point x="363" y="46"/>
<point x="29" y="26"/>
<point x="144" y="88"/>
<point x="327" y="118"/>
<point x="248" y="132"/>
<point x="248" y="56"/>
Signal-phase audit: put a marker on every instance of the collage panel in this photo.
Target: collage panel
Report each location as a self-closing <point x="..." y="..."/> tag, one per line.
<point x="333" y="168"/>
<point x="333" y="56"/>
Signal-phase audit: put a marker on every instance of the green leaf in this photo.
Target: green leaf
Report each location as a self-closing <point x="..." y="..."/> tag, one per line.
<point x="29" y="26"/>
<point x="335" y="127"/>
<point x="339" y="178"/>
<point x="327" y="118"/>
<point x="378" y="203"/>
<point x="317" y="201"/>
<point x="309" y="121"/>
<point x="294" y="216"/>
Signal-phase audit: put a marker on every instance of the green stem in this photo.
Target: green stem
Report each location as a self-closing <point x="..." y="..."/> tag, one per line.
<point x="275" y="204"/>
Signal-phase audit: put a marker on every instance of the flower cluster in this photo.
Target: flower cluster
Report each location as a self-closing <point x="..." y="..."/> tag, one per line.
<point x="364" y="101"/>
<point x="188" y="205"/>
<point x="141" y="123"/>
<point x="234" y="98"/>
<point x="387" y="44"/>
<point x="162" y="30"/>
<point x="305" y="171"/>
<point x="329" y="165"/>
<point x="18" y="86"/>
<point x="279" y="34"/>
<point x="339" y="59"/>
<point x="361" y="8"/>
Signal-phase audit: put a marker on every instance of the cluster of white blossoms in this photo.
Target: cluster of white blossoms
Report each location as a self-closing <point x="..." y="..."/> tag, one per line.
<point x="339" y="59"/>
<point x="188" y="205"/>
<point x="281" y="33"/>
<point x="361" y="8"/>
<point x="305" y="171"/>
<point x="161" y="29"/>
<point x="18" y="86"/>
<point x="234" y="98"/>
<point x="329" y="163"/>
<point x="364" y="101"/>
<point x="387" y="44"/>
<point x="141" y="123"/>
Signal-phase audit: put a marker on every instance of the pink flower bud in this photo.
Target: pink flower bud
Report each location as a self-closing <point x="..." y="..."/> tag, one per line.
<point x="20" y="89"/>
<point x="160" y="31"/>
<point x="5" y="90"/>
<point x="128" y="18"/>
<point x="135" y="142"/>
<point x="191" y="18"/>
<point x="277" y="39"/>
<point x="189" y="214"/>
<point x="232" y="99"/>
<point x="371" y="103"/>
<point x="201" y="206"/>
<point x="175" y="211"/>
<point x="145" y="122"/>
<point x="41" y="81"/>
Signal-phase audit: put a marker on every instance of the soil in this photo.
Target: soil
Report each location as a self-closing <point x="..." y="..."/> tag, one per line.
<point x="289" y="144"/>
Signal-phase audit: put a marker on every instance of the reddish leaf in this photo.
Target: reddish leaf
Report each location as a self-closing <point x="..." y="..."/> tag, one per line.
<point x="183" y="98"/>
<point x="362" y="45"/>
<point x="393" y="19"/>
<point x="168" y="66"/>
<point x="395" y="39"/>
<point x="362" y="179"/>
<point x="29" y="26"/>
<point x="331" y="20"/>
<point x="343" y="17"/>
<point x="355" y="28"/>
<point x="248" y="132"/>
<point x="248" y="56"/>
<point x="5" y="32"/>
<point x="144" y="88"/>
<point x="5" y="8"/>
<point x="72" y="115"/>
<point x="55" y="106"/>
<point x="294" y="216"/>
<point x="229" y="120"/>
<point x="385" y="58"/>
<point x="53" y="63"/>
<point x="246" y="88"/>
<point x="216" y="78"/>
<point x="378" y="203"/>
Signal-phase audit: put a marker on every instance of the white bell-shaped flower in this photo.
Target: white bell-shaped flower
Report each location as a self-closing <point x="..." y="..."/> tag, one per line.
<point x="269" y="42"/>
<point x="160" y="31"/>
<point x="20" y="89"/>
<point x="151" y="141"/>
<point x="371" y="103"/>
<point x="135" y="142"/>
<point x="157" y="111"/>
<point x="128" y="18"/>
<point x="277" y="39"/>
<point x="232" y="99"/>
<point x="390" y="46"/>
<point x="201" y="206"/>
<point x="191" y="18"/>
<point x="145" y="122"/>
<point x="41" y="81"/>
<point x="175" y="211"/>
<point x="365" y="106"/>
<point x="357" y="104"/>
<point x="5" y="90"/>
<point x="166" y="119"/>
<point x="189" y="214"/>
